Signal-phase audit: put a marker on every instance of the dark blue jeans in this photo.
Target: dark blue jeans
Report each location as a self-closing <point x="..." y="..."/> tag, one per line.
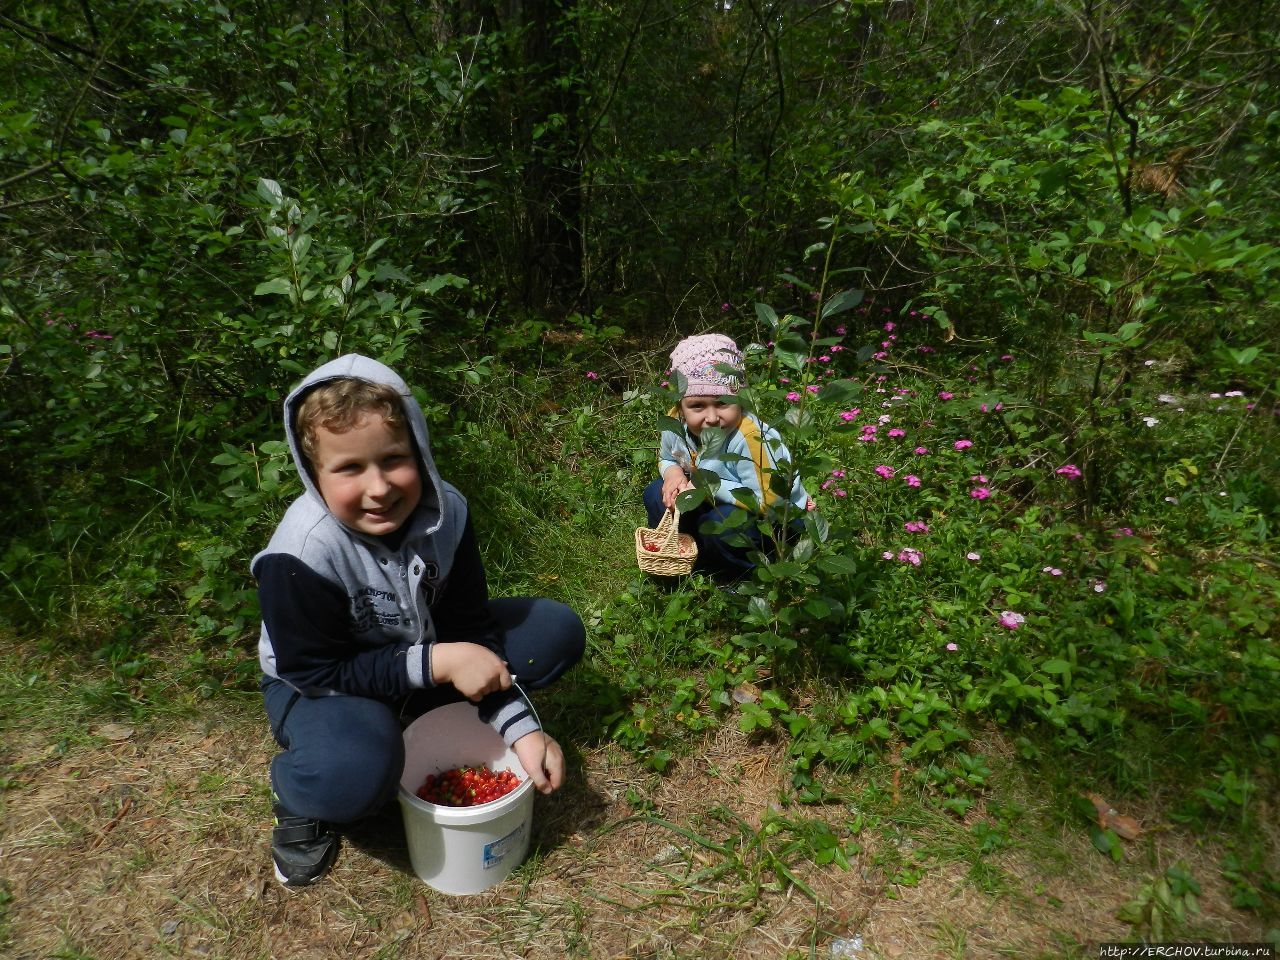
<point x="343" y="755"/>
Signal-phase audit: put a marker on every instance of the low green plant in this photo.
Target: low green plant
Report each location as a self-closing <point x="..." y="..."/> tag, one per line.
<point x="1164" y="905"/>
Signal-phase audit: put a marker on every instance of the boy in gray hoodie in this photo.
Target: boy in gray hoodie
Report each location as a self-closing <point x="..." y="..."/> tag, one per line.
<point x="375" y="609"/>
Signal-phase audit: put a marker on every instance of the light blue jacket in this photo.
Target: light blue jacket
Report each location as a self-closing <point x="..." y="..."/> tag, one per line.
<point x="757" y="442"/>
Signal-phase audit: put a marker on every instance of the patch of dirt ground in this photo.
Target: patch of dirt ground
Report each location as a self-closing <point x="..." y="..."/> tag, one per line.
<point x="152" y="842"/>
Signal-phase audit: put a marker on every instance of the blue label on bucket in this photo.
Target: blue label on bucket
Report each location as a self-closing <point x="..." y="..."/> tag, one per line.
<point x="496" y="850"/>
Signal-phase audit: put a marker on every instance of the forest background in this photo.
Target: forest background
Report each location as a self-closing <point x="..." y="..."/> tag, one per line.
<point x="1036" y="240"/>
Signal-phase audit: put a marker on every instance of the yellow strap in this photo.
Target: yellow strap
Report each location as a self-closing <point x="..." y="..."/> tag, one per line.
<point x="760" y="457"/>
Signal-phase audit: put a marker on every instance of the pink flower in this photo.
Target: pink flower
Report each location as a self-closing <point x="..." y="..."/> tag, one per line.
<point x="925" y="348"/>
<point x="848" y="415"/>
<point x="837" y="348"/>
<point x="838" y="493"/>
<point x="897" y="432"/>
<point x="979" y="493"/>
<point x="1007" y="357"/>
<point x="838" y="474"/>
<point x="783" y="380"/>
<point x="915" y="526"/>
<point x="793" y="396"/>
<point x="887" y="555"/>
<point x="973" y="556"/>
<point x="1011" y="620"/>
<point x="841" y="331"/>
<point x="1070" y="471"/>
<point x="1099" y="586"/>
<point x="1123" y="532"/>
<point x="888" y="327"/>
<point x="868" y="438"/>
<point x="812" y="388"/>
<point x="910" y="555"/>
<point x="921" y="451"/>
<point x="912" y="480"/>
<point x="825" y="359"/>
<point x="885" y="471"/>
<point x="963" y="444"/>
<point x="869" y="428"/>
<point x="827" y="483"/>
<point x="982" y="407"/>
<point x="879" y="355"/>
<point x="978" y="478"/>
<point x="724" y="308"/>
<point x="592" y="375"/>
<point x="1052" y="571"/>
<point x="945" y="395"/>
<point x="952" y="648"/>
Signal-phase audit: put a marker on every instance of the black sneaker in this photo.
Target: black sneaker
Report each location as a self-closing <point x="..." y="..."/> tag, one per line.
<point x="302" y="848"/>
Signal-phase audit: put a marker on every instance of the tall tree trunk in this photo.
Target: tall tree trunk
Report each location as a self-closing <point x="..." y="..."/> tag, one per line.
<point x="551" y="180"/>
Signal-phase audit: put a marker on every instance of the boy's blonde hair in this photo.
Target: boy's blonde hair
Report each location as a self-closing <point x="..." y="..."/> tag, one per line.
<point x="338" y="405"/>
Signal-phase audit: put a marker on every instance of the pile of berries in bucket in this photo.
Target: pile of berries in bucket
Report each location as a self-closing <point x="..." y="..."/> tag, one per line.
<point x="467" y="786"/>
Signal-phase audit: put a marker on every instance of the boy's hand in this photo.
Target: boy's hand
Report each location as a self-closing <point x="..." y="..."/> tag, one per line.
<point x="674" y="483"/>
<point x="810" y="506"/>
<point x="472" y="669"/>
<point x="542" y="759"/>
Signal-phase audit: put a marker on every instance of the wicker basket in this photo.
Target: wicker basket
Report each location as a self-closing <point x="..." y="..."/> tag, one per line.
<point x="676" y="554"/>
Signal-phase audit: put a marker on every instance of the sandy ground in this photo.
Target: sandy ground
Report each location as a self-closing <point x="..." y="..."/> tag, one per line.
<point x="152" y="842"/>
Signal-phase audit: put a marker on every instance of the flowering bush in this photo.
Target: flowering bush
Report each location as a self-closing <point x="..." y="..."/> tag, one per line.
<point x="1019" y="572"/>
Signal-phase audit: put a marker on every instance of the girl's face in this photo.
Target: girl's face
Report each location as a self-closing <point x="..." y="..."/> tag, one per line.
<point x="699" y="412"/>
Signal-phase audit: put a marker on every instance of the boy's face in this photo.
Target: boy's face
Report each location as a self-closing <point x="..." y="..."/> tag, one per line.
<point x="368" y="475"/>
<point x="699" y="412"/>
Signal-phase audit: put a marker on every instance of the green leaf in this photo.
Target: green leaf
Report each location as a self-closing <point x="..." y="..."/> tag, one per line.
<point x="270" y="191"/>
<point x="767" y="315"/>
<point x="691" y="500"/>
<point x="1108" y="842"/>
<point x="840" y="391"/>
<point x="279" y="285"/>
<point x="771" y="701"/>
<point x="837" y="564"/>
<point x="842" y="301"/>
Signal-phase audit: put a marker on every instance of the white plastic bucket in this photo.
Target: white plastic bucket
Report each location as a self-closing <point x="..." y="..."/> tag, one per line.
<point x="461" y="850"/>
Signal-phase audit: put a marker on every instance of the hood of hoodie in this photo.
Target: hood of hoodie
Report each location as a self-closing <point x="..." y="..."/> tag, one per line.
<point x="358" y="367"/>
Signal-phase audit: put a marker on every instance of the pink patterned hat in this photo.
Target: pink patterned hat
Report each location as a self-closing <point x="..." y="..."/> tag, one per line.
<point x="697" y="358"/>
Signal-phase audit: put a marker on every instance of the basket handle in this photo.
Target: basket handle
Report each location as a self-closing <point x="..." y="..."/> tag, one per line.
<point x="668" y="528"/>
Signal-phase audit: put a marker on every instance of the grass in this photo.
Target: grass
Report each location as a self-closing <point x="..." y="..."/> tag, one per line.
<point x="708" y="860"/>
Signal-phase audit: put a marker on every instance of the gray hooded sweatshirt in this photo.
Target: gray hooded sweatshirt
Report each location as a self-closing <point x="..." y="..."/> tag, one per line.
<point x="344" y="612"/>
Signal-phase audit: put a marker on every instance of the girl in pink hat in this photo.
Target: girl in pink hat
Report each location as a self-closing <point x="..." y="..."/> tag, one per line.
<point x="710" y="368"/>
